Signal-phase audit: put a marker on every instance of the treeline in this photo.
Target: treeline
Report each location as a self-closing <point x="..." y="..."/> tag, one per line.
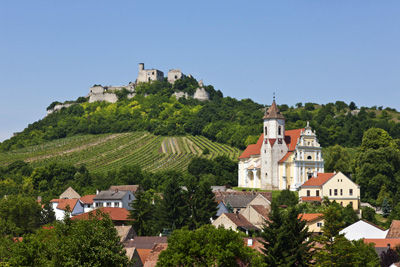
<point x="222" y="119"/>
<point x="51" y="180"/>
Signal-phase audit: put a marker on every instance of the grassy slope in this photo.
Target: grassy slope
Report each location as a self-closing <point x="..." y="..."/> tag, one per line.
<point x="109" y="151"/>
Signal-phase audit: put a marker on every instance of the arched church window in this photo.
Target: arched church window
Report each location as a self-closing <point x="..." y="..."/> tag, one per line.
<point x="266" y="130"/>
<point x="309" y="157"/>
<point x="279" y="130"/>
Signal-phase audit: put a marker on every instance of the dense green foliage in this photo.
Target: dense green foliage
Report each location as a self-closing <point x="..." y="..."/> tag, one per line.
<point x="286" y="238"/>
<point x="208" y="246"/>
<point x="92" y="242"/>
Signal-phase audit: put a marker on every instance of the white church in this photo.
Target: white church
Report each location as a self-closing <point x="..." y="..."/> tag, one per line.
<point x="281" y="159"/>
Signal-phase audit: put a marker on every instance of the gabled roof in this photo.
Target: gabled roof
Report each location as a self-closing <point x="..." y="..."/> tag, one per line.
<point x="87" y="199"/>
<point x="225" y="196"/>
<point x="110" y="195"/>
<point x="321" y="179"/>
<point x="262" y="210"/>
<point x="238" y="201"/>
<point x="394" y="230"/>
<point x="133" y="188"/>
<point x="240" y="221"/>
<point x="146" y="242"/>
<point x="152" y="259"/>
<point x="116" y="214"/>
<point x="309" y="217"/>
<point x="70" y="193"/>
<point x="64" y="203"/>
<point x="291" y="138"/>
<point x="273" y="112"/>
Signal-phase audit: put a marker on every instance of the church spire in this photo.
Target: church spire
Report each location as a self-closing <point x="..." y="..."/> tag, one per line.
<point x="273" y="112"/>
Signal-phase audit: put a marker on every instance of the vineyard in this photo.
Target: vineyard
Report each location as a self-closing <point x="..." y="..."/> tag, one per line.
<point x="110" y="151"/>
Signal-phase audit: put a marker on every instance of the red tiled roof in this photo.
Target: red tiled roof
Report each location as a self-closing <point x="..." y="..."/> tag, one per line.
<point x="116" y="214"/>
<point x="133" y="188"/>
<point x="152" y="259"/>
<point x="291" y="137"/>
<point x="253" y="149"/>
<point x="311" y="199"/>
<point x="285" y="157"/>
<point x="240" y="220"/>
<point x="143" y="253"/>
<point x="321" y="179"/>
<point x="309" y="217"/>
<point x="88" y="199"/>
<point x="383" y="242"/>
<point x="63" y="203"/>
<point x="262" y="210"/>
<point x="394" y="230"/>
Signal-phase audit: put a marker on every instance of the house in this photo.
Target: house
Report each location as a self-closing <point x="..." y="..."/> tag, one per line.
<point x="281" y="158"/>
<point x="394" y="230"/>
<point x="152" y="259"/>
<point x="70" y="193"/>
<point x="256" y="214"/>
<point x="119" y="216"/>
<point x="145" y="245"/>
<point x="87" y="202"/>
<point x="125" y="232"/>
<point x="336" y="186"/>
<point x="363" y="229"/>
<point x="238" y="200"/>
<point x="114" y="199"/>
<point x="383" y="244"/>
<point x="314" y="221"/>
<point x="133" y="188"/>
<point x="60" y="206"/>
<point x="234" y="221"/>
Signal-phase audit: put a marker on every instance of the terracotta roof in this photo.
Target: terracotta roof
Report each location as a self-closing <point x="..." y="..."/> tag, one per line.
<point x="253" y="149"/>
<point x="63" y="203"/>
<point x="285" y="157"/>
<point x="240" y="221"/>
<point x="262" y="210"/>
<point x="155" y="252"/>
<point x="291" y="138"/>
<point x="309" y="217"/>
<point x="273" y="112"/>
<point x="321" y="179"/>
<point x="116" y="214"/>
<point x="133" y="187"/>
<point x="383" y="242"/>
<point x="143" y="253"/>
<point x="311" y="199"/>
<point x="88" y="199"/>
<point x="394" y="230"/>
<point x="70" y="193"/>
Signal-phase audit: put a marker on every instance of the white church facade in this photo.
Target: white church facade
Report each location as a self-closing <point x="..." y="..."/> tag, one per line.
<point x="281" y="159"/>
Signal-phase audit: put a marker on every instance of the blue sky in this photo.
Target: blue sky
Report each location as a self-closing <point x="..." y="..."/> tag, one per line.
<point x="306" y="51"/>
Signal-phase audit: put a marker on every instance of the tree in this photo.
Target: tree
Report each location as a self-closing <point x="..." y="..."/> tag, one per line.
<point x="23" y="212"/>
<point x="201" y="202"/>
<point x="368" y="214"/>
<point x="143" y="213"/>
<point x="207" y="246"/>
<point x="349" y="215"/>
<point x="352" y="106"/>
<point x="173" y="212"/>
<point x="286" y="197"/>
<point x="385" y="208"/>
<point x="286" y="238"/>
<point x="389" y="257"/>
<point x="337" y="158"/>
<point x="92" y="242"/>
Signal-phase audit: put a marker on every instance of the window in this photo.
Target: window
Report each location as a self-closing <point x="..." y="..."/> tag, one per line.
<point x="351" y="203"/>
<point x="341" y="192"/>
<point x="341" y="204"/>
<point x="98" y="204"/>
<point x="335" y="192"/>
<point x="129" y="196"/>
<point x="350" y="192"/>
<point x="116" y="204"/>
<point x="330" y="192"/>
<point x="319" y="224"/>
<point x="108" y="204"/>
<point x="279" y="130"/>
<point x="317" y="193"/>
<point x="266" y="130"/>
<point x="308" y="193"/>
<point x="309" y="157"/>
<point x="279" y="140"/>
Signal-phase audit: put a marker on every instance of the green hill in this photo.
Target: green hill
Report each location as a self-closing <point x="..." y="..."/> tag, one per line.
<point x="105" y="152"/>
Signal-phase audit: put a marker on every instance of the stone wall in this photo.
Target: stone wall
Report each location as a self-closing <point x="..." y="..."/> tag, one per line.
<point x="58" y="107"/>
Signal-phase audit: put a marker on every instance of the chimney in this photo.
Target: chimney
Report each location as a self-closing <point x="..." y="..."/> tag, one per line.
<point x="249" y="242"/>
